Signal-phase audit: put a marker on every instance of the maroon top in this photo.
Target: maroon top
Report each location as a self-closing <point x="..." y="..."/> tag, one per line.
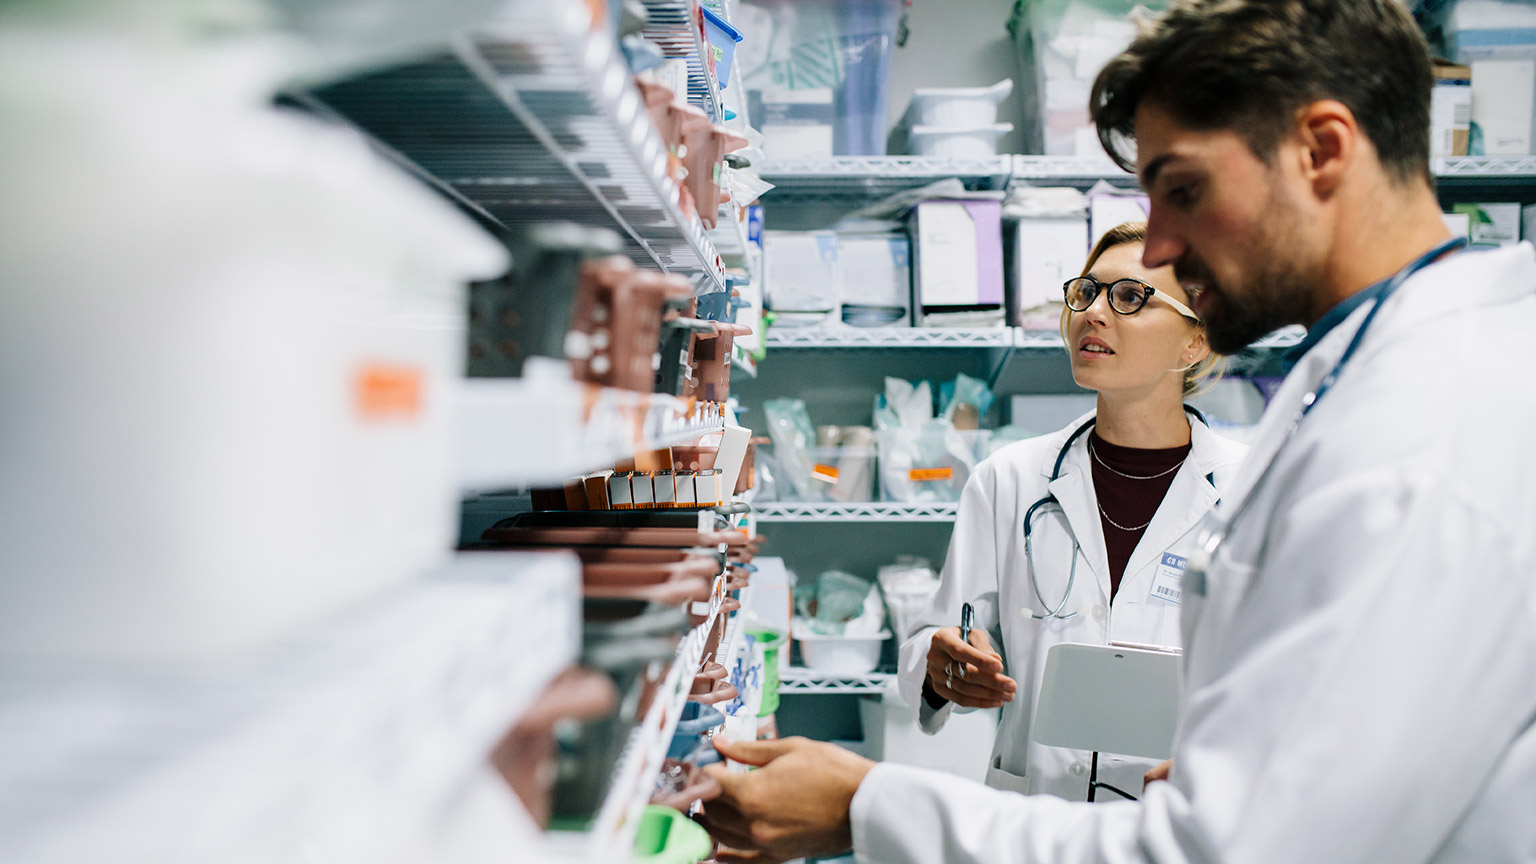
<point x="1127" y="503"/>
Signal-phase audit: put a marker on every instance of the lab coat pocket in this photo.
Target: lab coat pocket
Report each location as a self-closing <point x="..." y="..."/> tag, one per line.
<point x="997" y="778"/>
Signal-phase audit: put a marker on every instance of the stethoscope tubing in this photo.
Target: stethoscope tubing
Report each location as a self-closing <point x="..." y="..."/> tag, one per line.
<point x="1050" y="501"/>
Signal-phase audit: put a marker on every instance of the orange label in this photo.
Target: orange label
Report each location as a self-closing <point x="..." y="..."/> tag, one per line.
<point x="388" y="392"/>
<point x="824" y="472"/>
<point x="923" y="475"/>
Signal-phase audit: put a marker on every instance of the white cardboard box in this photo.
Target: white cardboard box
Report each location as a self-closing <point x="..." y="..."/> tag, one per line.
<point x="800" y="272"/>
<point x="1492" y="224"/>
<point x="1046" y="253"/>
<point x="1107" y="211"/>
<point x="1503" y="92"/>
<point x="796" y="124"/>
<point x="874" y="269"/>
<point x="957" y="254"/>
<point x="1450" y="119"/>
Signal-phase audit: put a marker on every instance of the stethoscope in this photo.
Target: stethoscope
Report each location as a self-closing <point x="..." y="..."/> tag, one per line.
<point x="1047" y="505"/>
<point x="1215" y="527"/>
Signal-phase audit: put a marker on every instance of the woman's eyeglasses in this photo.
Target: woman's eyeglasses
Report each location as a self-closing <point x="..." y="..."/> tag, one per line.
<point x="1126" y="296"/>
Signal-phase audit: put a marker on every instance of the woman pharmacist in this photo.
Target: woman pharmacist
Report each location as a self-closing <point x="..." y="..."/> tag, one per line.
<point x="1078" y="536"/>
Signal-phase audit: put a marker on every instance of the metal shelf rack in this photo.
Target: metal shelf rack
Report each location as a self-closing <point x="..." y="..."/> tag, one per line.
<point x="1067" y="171"/>
<point x="798" y="679"/>
<point x="533" y="119"/>
<point x="611" y="836"/>
<point x="874" y="511"/>
<point x="1050" y="341"/>
<point x="824" y="338"/>
<point x="873" y="177"/>
<point x="674" y="27"/>
<point x="888" y="337"/>
<point x="869" y="177"/>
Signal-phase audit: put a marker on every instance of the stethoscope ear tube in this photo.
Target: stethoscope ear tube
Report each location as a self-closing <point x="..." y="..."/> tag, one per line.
<point x="1050" y="501"/>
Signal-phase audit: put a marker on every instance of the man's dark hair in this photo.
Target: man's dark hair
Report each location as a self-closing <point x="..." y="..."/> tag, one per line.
<point x="1250" y="65"/>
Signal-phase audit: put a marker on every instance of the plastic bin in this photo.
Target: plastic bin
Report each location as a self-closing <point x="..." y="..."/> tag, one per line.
<point x="1061" y="46"/>
<point x="957" y="107"/>
<point x="963" y="142"/>
<point x="841" y="655"/>
<point x="695" y="720"/>
<point x="723" y="39"/>
<point x="766" y="643"/>
<point x="666" y="836"/>
<point x="840" y="46"/>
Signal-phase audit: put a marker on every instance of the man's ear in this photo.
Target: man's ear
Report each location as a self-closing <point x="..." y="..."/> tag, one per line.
<point x="1329" y="138"/>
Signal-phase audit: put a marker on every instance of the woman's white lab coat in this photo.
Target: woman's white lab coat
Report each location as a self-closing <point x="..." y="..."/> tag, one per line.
<point x="1360" y="674"/>
<point x="986" y="566"/>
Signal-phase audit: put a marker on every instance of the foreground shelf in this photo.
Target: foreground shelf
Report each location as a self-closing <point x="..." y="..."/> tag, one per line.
<point x="611" y="835"/>
<point x="533" y="119"/>
<point x="799" y="679"/>
<point x="355" y="739"/>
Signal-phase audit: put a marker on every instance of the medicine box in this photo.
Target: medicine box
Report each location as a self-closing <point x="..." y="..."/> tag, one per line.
<point x="1043" y="254"/>
<point x="875" y="270"/>
<point x="1491" y="224"/>
<point x="796" y="124"/>
<point x="1503" y="93"/>
<point x="800" y="272"/>
<point x="957" y="250"/>
<point x="1106" y="211"/>
<point x="1450" y="109"/>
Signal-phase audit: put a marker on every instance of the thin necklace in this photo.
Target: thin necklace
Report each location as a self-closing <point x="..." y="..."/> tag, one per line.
<point x="1095" y="454"/>
<point x="1124" y="527"/>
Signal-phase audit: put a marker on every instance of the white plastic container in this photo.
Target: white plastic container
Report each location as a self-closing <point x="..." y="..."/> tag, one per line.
<point x="841" y="655"/>
<point x="964" y="142"/>
<point x="964" y="107"/>
<point x="228" y="341"/>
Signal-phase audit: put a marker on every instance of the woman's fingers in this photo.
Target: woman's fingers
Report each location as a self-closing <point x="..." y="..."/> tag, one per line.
<point x="972" y="695"/>
<point x="969" y="680"/>
<point x="948" y="642"/>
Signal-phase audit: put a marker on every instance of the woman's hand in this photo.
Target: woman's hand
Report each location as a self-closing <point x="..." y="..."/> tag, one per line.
<point x="967" y="674"/>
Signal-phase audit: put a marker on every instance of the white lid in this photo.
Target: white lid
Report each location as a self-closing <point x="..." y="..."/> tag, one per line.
<point x="994" y="129"/>
<point x="997" y="92"/>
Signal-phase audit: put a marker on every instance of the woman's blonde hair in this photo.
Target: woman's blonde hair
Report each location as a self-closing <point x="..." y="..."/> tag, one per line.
<point x="1197" y="377"/>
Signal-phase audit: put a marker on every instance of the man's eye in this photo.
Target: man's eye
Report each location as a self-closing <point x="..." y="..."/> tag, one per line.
<point x="1181" y="196"/>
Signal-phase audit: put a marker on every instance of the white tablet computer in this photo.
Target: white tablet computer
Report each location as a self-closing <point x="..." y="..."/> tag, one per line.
<point x="1109" y="698"/>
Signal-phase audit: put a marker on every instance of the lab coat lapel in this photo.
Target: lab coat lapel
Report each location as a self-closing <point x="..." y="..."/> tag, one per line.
<point x="1188" y="499"/>
<point x="1074" y="489"/>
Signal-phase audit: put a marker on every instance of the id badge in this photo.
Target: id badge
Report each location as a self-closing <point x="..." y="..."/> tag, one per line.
<point x="1168" y="581"/>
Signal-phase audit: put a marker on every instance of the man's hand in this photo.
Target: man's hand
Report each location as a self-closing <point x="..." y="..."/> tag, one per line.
<point x="1156" y="774"/>
<point x="968" y="674"/>
<point x="795" y="805"/>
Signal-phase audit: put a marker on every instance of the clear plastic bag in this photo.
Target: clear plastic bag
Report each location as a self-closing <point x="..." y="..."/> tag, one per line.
<point x="789" y="426"/>
<point x="908" y="586"/>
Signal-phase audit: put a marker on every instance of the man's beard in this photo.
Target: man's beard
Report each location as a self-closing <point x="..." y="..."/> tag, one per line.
<point x="1277" y="291"/>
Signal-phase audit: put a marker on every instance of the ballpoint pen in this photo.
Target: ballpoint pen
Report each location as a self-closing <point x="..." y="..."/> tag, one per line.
<point x="967" y="614"/>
